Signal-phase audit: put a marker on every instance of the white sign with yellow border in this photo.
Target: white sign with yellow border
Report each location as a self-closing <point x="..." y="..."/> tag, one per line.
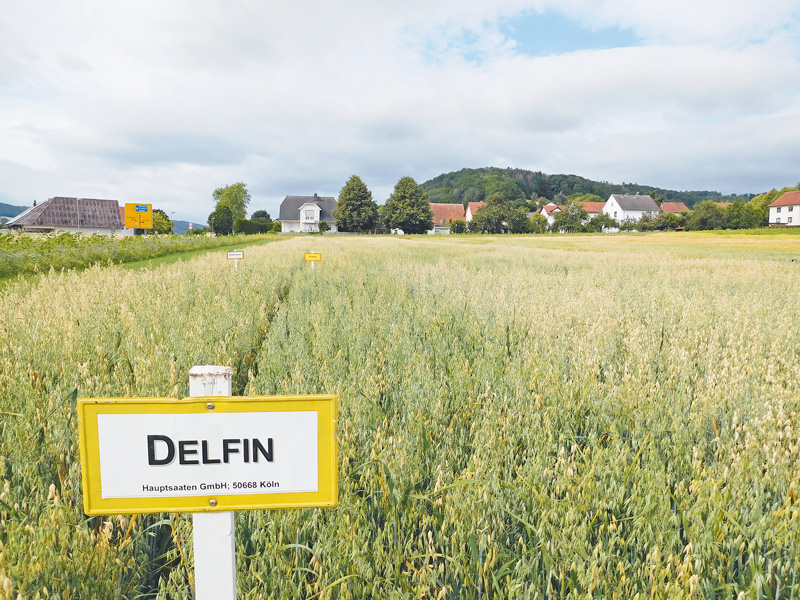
<point x="208" y="453"/>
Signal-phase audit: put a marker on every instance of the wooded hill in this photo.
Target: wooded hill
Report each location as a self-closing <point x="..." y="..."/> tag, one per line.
<point x="9" y="210"/>
<point x="534" y="188"/>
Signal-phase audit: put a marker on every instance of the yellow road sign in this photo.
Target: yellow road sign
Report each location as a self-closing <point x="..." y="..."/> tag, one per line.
<point x="235" y="254"/>
<point x="313" y="256"/>
<point x="139" y="216"/>
<point x="215" y="453"/>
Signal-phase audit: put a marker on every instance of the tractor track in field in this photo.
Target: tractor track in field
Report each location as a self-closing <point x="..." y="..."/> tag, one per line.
<point x="247" y="363"/>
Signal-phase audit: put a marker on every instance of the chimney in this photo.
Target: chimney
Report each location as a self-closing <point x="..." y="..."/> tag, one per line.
<point x="315" y="197"/>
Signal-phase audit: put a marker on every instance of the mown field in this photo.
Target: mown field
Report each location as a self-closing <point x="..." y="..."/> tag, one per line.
<point x="547" y="417"/>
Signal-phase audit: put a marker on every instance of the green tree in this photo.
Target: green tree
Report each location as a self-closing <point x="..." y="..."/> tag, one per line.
<point x="706" y="215"/>
<point x="356" y="210"/>
<point x="570" y="220"/>
<point x="221" y="220"/>
<point x="742" y="215"/>
<point x="161" y="222"/>
<point x="538" y="223"/>
<point x="408" y="208"/>
<point x="261" y="216"/>
<point x="499" y="215"/>
<point x="323" y="226"/>
<point x="670" y="221"/>
<point x="600" y="222"/>
<point x="646" y="223"/>
<point x="235" y="197"/>
<point x="458" y="226"/>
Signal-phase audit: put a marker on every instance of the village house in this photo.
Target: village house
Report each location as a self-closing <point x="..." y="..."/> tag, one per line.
<point x="303" y="214"/>
<point x="549" y="211"/>
<point x="785" y="211"/>
<point x="592" y="208"/>
<point x="72" y="215"/>
<point x="443" y="215"/>
<point x="472" y="209"/>
<point x="631" y="208"/>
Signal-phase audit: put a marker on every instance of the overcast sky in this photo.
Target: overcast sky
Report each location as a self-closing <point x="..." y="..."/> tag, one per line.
<point x="164" y="101"/>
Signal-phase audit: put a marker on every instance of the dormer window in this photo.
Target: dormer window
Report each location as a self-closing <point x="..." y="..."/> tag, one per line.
<point x="310" y="215"/>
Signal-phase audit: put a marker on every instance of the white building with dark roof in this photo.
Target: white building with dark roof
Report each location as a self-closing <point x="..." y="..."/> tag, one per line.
<point x="72" y="215"/>
<point x="622" y="207"/>
<point x="303" y="214"/>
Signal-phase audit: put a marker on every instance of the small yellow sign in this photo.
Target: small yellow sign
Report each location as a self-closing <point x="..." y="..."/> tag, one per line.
<point x="313" y="256"/>
<point x="139" y="216"/>
<point x="235" y="254"/>
<point x="216" y="453"/>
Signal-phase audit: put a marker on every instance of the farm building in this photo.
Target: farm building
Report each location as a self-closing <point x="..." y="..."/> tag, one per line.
<point x="72" y="215"/>
<point x="785" y="211"/>
<point x="303" y="214"/>
<point x="443" y="215"/>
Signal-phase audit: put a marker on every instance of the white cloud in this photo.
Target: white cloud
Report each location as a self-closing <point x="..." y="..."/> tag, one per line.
<point x="171" y="100"/>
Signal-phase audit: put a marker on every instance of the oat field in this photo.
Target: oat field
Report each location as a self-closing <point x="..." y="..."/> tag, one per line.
<point x="526" y="417"/>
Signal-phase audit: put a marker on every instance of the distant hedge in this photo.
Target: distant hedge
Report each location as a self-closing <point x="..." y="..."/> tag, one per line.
<point x="249" y="227"/>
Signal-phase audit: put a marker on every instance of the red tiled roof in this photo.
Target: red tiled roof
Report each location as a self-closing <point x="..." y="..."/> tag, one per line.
<point x="788" y="199"/>
<point x="673" y="207"/>
<point x="592" y="207"/>
<point x="549" y="208"/>
<point x="723" y="204"/>
<point x="442" y="213"/>
<point x="474" y="206"/>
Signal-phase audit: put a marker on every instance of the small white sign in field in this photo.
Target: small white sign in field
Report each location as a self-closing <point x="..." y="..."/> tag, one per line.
<point x="235" y="254"/>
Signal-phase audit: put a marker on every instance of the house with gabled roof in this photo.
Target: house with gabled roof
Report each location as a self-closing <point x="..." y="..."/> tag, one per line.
<point x="592" y="208"/>
<point x="785" y="211"/>
<point x="303" y="214"/>
<point x="631" y="208"/>
<point x="549" y="211"/>
<point x="472" y="209"/>
<point x="72" y="215"/>
<point x="443" y="215"/>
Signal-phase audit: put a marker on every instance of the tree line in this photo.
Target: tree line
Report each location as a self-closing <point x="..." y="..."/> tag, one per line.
<point x="506" y="210"/>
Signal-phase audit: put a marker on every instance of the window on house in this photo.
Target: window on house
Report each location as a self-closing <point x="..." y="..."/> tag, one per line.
<point x="615" y="214"/>
<point x="309" y="215"/>
<point x="778" y="220"/>
<point x="779" y="209"/>
<point x="791" y="208"/>
<point x="789" y="220"/>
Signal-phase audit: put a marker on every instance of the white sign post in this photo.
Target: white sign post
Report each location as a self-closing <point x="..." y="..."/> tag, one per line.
<point x="214" y="532"/>
<point x="209" y="454"/>
<point x="235" y="256"/>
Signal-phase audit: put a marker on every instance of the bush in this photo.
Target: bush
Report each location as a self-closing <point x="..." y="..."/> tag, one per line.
<point x="251" y="227"/>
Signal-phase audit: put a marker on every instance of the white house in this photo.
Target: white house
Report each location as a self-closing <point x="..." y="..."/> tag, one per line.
<point x="592" y="208"/>
<point x="621" y="207"/>
<point x="472" y="208"/>
<point x="72" y="215"/>
<point x="549" y="211"/>
<point x="785" y="211"/>
<point x="303" y="214"/>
